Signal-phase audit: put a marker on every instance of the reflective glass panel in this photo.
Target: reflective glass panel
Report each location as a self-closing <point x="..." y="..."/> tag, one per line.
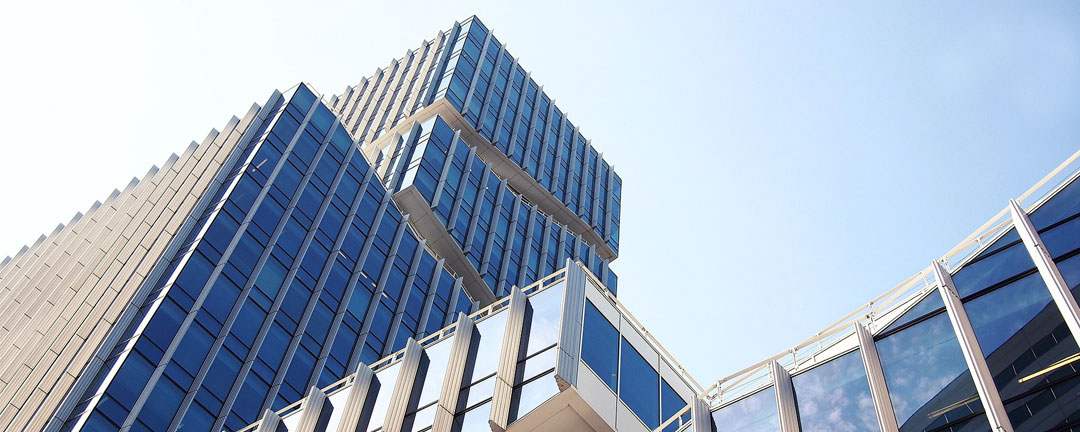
<point x="992" y="269"/>
<point x="387" y="378"/>
<point x="337" y="401"/>
<point x="542" y="319"/>
<point x="835" y="396"/>
<point x="530" y="395"/>
<point x="756" y="413"/>
<point x="486" y="360"/>
<point x="926" y="375"/>
<point x="475" y="419"/>
<point x="438" y="355"/>
<point x="930" y="303"/>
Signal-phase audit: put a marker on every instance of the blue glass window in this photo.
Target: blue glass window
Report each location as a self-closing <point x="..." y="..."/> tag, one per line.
<point x="639" y="386"/>
<point x="600" y="346"/>
<point x="670" y="404"/>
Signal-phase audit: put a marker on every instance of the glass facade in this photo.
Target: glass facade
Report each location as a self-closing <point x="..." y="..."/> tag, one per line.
<point x="509" y="241"/>
<point x="300" y="269"/>
<point x="481" y="364"/>
<point x="1030" y="353"/>
<point x="471" y="70"/>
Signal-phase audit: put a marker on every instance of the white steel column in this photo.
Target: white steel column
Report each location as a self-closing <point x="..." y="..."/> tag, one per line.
<point x="700" y="416"/>
<point x="1059" y="290"/>
<point x="785" y="398"/>
<point x="876" y="377"/>
<point x="973" y="355"/>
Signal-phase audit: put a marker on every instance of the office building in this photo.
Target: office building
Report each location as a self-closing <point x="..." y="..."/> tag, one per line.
<point x="430" y="250"/>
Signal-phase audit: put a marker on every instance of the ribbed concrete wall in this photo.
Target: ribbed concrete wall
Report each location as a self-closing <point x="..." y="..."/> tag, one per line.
<point x="61" y="296"/>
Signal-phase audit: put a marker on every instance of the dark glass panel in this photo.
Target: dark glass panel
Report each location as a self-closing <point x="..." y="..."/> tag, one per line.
<point x="992" y="269"/>
<point x="1063" y="205"/>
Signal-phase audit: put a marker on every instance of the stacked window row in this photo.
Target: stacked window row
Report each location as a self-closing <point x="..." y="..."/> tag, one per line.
<point x="631" y="371"/>
<point x="501" y="101"/>
<point x="481" y="80"/>
<point x="1029" y="350"/>
<point x="300" y="269"/>
<point x="507" y="240"/>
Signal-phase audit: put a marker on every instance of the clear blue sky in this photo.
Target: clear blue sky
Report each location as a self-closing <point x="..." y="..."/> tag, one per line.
<point x="783" y="163"/>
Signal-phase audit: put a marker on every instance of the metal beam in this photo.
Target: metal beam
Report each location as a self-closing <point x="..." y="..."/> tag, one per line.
<point x="973" y="355"/>
<point x="1059" y="290"/>
<point x="876" y="377"/>
<point x="785" y="398"/>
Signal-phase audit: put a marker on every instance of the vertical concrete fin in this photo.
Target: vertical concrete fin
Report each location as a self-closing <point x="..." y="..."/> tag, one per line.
<point x="455" y="373"/>
<point x="571" y="322"/>
<point x="271" y="422"/>
<point x="785" y="398"/>
<point x="356" y="414"/>
<point x="314" y="411"/>
<point x="876" y="377"/>
<point x="508" y="359"/>
<point x="973" y="355"/>
<point x="405" y="386"/>
<point x="1059" y="290"/>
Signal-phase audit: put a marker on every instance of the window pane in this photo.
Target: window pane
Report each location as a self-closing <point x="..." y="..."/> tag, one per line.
<point x="929" y="304"/>
<point x="835" y="396"/>
<point x="670" y="404"/>
<point x="1023" y="335"/>
<point x="542" y="320"/>
<point x="527" y="397"/>
<point x="639" y="386"/>
<point x="756" y="413"/>
<point x="927" y="377"/>
<point x="600" y="346"/>
<point x="387" y="378"/>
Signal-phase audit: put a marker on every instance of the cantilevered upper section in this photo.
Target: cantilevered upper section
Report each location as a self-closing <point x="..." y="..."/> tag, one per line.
<point x="469" y="78"/>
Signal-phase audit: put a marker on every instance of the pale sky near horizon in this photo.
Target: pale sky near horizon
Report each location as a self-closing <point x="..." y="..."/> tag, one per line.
<point x="783" y="163"/>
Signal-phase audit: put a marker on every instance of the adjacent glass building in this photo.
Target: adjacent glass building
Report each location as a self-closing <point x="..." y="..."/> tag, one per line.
<point x="430" y="250"/>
